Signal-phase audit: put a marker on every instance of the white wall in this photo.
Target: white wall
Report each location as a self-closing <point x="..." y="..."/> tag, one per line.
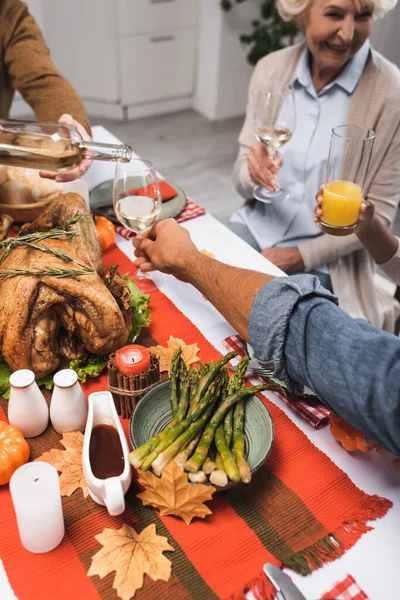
<point x="385" y="35"/>
<point x="223" y="73"/>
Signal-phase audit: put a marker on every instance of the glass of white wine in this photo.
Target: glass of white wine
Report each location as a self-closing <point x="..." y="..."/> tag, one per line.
<point x="137" y="204"/>
<point x="274" y="125"/>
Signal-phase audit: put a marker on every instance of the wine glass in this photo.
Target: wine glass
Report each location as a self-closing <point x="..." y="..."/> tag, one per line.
<point x="274" y="124"/>
<point x="137" y="204"/>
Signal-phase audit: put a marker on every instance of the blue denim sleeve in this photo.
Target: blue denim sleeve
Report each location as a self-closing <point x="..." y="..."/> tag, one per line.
<point x="297" y="328"/>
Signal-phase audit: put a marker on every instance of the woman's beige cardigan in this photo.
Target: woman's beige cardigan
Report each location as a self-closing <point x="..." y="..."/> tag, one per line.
<point x="375" y="103"/>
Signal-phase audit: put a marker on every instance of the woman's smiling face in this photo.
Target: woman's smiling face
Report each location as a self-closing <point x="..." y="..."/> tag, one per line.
<point x="336" y="30"/>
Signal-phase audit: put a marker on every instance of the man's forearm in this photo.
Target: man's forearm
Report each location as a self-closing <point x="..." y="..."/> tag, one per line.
<point x="229" y="289"/>
<point x="352" y="367"/>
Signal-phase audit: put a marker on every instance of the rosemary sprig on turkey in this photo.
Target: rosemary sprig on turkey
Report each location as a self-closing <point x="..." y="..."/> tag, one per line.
<point x="31" y="240"/>
<point x="46" y="272"/>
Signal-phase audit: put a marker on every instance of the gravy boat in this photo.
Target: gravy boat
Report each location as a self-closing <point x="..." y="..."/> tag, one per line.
<point x="108" y="492"/>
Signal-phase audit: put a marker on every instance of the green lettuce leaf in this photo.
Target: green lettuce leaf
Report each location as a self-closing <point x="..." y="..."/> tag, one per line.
<point x="5" y="373"/>
<point x="91" y="367"/>
<point x="141" y="315"/>
<point x="46" y="382"/>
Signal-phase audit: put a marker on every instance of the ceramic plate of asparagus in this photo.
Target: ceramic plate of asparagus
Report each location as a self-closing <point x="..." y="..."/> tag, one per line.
<point x="206" y="420"/>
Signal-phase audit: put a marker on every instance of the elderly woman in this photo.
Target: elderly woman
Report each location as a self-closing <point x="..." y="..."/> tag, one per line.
<point x="337" y="78"/>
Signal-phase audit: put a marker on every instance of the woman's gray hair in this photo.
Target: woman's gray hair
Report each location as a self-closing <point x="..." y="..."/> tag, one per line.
<point x="290" y="9"/>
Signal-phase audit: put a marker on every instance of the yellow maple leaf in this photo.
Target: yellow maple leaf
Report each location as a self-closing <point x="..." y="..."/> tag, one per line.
<point x="172" y="494"/>
<point x="189" y="353"/>
<point x="131" y="555"/>
<point x="68" y="462"/>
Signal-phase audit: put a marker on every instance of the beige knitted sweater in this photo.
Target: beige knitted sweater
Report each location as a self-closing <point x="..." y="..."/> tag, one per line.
<point x="26" y="66"/>
<point x="375" y="103"/>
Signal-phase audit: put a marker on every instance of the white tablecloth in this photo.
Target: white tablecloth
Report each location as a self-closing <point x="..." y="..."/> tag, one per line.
<point x="375" y="558"/>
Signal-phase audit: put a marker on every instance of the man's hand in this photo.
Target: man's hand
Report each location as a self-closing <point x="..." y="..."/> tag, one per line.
<point x="262" y="168"/>
<point x="287" y="259"/>
<point x="166" y="247"/>
<point x="83" y="167"/>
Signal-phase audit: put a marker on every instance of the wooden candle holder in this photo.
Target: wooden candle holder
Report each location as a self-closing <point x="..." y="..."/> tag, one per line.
<point x="127" y="390"/>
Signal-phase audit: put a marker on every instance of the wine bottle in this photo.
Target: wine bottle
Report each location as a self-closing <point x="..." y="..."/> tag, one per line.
<point x="52" y="147"/>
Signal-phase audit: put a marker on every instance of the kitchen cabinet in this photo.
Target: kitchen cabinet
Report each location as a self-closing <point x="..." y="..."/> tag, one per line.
<point x="125" y="58"/>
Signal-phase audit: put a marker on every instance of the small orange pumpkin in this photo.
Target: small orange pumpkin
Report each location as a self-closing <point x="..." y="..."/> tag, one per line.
<point x="106" y="232"/>
<point x="350" y="438"/>
<point x="14" y="451"/>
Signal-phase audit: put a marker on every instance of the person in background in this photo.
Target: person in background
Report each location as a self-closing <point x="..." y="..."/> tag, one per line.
<point x="382" y="245"/>
<point x="337" y="79"/>
<point x="26" y="67"/>
<point x="295" y="328"/>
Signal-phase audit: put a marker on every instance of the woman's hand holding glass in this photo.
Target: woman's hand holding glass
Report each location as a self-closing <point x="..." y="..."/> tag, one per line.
<point x="262" y="168"/>
<point x="366" y="216"/>
<point x="274" y="124"/>
<point x="370" y="230"/>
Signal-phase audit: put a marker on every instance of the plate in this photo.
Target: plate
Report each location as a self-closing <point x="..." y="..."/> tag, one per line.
<point x="252" y="356"/>
<point x="153" y="413"/>
<point x="102" y="196"/>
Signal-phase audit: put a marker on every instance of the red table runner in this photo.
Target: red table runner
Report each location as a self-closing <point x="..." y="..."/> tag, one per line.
<point x="300" y="511"/>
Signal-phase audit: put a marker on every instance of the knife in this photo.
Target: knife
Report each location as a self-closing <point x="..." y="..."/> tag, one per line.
<point x="283" y="583"/>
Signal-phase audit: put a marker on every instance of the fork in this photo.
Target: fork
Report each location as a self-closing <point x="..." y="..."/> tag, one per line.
<point x="255" y="367"/>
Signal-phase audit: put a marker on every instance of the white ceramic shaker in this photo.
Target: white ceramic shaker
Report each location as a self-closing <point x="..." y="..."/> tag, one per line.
<point x="68" y="407"/>
<point x="27" y="407"/>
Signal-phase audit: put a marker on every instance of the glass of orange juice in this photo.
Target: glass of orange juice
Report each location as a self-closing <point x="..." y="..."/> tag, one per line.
<point x="348" y="161"/>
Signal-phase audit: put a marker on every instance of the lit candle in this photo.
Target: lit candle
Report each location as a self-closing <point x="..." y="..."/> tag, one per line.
<point x="132" y="360"/>
<point x="35" y="492"/>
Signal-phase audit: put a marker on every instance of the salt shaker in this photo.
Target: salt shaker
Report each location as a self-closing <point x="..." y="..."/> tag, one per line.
<point x="68" y="407"/>
<point x="27" y="407"/>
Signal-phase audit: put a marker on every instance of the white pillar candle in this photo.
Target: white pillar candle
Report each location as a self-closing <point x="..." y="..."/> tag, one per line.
<point x="35" y="492"/>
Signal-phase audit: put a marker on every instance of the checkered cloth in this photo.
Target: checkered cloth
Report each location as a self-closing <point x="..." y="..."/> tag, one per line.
<point x="190" y="211"/>
<point x="347" y="589"/>
<point x="311" y="410"/>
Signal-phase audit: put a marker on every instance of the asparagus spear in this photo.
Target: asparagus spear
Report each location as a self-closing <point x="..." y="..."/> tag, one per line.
<point x="183" y="390"/>
<point x="228" y="460"/>
<point x="235" y="383"/>
<point x="195" y="462"/>
<point x="174" y="379"/>
<point x="208" y="377"/>
<point x="238" y="443"/>
<point x="208" y="466"/>
<point x="201" y="369"/>
<point x="183" y="456"/>
<point x="136" y="457"/>
<point x="180" y="427"/>
<point x="194" y="383"/>
<point x="182" y="441"/>
<point x="219" y="477"/>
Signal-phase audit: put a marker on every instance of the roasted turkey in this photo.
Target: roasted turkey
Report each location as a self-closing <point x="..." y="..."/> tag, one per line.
<point x="43" y="320"/>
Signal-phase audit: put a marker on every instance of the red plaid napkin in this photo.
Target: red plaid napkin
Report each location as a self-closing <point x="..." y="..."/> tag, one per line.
<point x="311" y="410"/>
<point x="348" y="589"/>
<point x="190" y="211"/>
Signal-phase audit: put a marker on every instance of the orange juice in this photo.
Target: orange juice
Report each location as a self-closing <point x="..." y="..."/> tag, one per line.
<point x="341" y="203"/>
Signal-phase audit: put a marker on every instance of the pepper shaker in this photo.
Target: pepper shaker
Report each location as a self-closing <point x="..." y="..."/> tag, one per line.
<point x="68" y="407"/>
<point x="27" y="407"/>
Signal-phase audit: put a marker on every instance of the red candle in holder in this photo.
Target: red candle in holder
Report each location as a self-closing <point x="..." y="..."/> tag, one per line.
<point x="132" y="359"/>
